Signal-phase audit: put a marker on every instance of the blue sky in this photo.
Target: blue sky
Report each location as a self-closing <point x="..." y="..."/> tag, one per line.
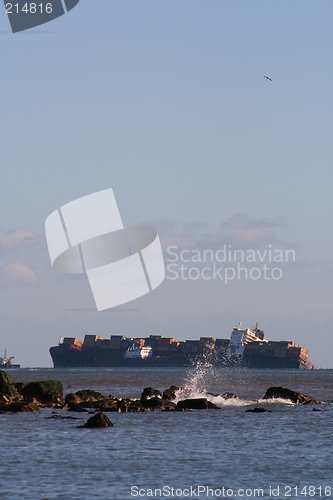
<point x="166" y="103"/>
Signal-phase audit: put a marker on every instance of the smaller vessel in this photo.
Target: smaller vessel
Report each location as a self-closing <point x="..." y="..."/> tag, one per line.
<point x="138" y="352"/>
<point x="7" y="362"/>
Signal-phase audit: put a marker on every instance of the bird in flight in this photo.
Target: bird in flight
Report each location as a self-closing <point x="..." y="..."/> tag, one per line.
<point x="268" y="78"/>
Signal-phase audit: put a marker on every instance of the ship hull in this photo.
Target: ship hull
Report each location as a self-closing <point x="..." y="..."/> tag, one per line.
<point x="64" y="356"/>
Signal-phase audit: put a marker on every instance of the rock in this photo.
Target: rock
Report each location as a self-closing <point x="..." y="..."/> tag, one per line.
<point x="71" y="399"/>
<point x="158" y="403"/>
<point x="169" y="405"/>
<point x="135" y="406"/>
<point x="5" y="399"/>
<point x="127" y="405"/>
<point x="170" y="393"/>
<point x="258" y="410"/>
<point x="77" y="408"/>
<point x="108" y="404"/>
<point x="196" y="404"/>
<point x="18" y="407"/>
<point x="150" y="392"/>
<point x="228" y="395"/>
<point x="45" y="392"/>
<point x="7" y="385"/>
<point x="153" y="403"/>
<point x="284" y="393"/>
<point x="98" y="421"/>
<point x="57" y="416"/>
<point x="88" y="396"/>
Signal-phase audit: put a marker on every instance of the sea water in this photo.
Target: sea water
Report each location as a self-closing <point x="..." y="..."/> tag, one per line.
<point x="230" y="453"/>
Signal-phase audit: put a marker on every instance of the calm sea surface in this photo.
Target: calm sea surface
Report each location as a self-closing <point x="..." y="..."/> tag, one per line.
<point x="290" y="447"/>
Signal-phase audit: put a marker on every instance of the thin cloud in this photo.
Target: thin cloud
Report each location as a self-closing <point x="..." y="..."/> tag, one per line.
<point x="17" y="239"/>
<point x="182" y="235"/>
<point x="245" y="222"/>
<point x="245" y="231"/>
<point x="17" y="274"/>
<point x="241" y="231"/>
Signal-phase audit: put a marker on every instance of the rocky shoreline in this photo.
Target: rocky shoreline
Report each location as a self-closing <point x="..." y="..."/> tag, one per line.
<point x="32" y="396"/>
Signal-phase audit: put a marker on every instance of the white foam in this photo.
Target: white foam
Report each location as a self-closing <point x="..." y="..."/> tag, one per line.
<point x="277" y="401"/>
<point x="195" y="387"/>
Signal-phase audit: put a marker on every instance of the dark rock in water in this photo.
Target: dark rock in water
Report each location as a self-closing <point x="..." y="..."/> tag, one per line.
<point x="19" y="407"/>
<point x="46" y="392"/>
<point x="7" y="385"/>
<point x="86" y="398"/>
<point x="284" y="393"/>
<point x="170" y="393"/>
<point x="127" y="405"/>
<point x="71" y="399"/>
<point x="58" y="416"/>
<point x="98" y="421"/>
<point x="153" y="403"/>
<point x="316" y="409"/>
<point x="196" y="404"/>
<point x="169" y="405"/>
<point x="108" y="404"/>
<point x="88" y="395"/>
<point x="177" y="408"/>
<point x="150" y="392"/>
<point x="258" y="410"/>
<point x="77" y="408"/>
<point x="228" y="395"/>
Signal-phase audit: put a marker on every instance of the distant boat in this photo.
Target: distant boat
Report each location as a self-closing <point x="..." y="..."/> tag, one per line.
<point x="7" y="362"/>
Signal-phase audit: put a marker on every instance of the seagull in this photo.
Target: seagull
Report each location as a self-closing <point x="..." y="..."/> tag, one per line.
<point x="268" y="78"/>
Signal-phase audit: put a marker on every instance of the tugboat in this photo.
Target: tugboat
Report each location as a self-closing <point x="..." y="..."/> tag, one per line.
<point x="7" y="362"/>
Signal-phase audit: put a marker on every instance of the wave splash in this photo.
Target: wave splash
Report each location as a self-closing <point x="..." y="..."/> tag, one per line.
<point x="197" y="382"/>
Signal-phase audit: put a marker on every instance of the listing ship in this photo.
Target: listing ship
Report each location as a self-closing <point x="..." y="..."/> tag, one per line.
<point x="246" y="347"/>
<point x="7" y="362"/>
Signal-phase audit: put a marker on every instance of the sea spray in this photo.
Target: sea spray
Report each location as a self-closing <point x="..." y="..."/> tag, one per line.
<point x="201" y="378"/>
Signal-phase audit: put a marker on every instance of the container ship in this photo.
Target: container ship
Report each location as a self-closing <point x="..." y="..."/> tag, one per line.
<point x="245" y="347"/>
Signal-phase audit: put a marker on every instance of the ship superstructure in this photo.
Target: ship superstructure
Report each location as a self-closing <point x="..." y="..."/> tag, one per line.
<point x="240" y="338"/>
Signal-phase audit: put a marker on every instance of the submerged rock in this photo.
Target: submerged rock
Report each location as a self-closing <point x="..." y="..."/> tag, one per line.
<point x="77" y="408"/>
<point x="196" y="404"/>
<point x="258" y="409"/>
<point x="288" y="394"/>
<point x="228" y="395"/>
<point x="58" y="416"/>
<point x="98" y="421"/>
